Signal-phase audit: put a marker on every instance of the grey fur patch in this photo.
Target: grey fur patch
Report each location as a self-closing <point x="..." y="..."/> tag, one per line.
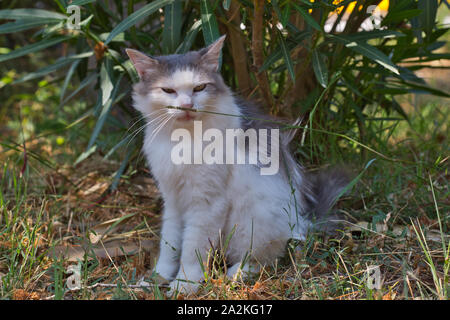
<point x="169" y="64"/>
<point x="254" y="118"/>
<point x="326" y="186"/>
<point x="319" y="191"/>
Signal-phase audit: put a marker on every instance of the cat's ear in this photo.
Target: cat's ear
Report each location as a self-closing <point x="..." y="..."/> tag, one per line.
<point x="211" y="54"/>
<point x="141" y="62"/>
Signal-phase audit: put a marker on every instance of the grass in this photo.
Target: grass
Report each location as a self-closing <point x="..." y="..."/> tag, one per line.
<point x="54" y="215"/>
<point x="59" y="223"/>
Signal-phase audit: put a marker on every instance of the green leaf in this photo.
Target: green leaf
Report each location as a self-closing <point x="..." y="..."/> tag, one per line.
<point x="367" y="51"/>
<point x="33" y="48"/>
<point x="399" y="16"/>
<point x="25" y="24"/>
<point x="210" y="27"/>
<point x="81" y="2"/>
<point x="137" y="16"/>
<point x="189" y="39"/>
<point x="428" y="15"/>
<point x="118" y="38"/>
<point x="86" y="81"/>
<point x="276" y="8"/>
<point x="308" y="18"/>
<point x="53" y="67"/>
<point x="14" y="14"/>
<point x="121" y="169"/>
<point x="209" y="22"/>
<point x="67" y="80"/>
<point x="425" y="89"/>
<point x="105" y="81"/>
<point x="374" y="34"/>
<point x="286" y="14"/>
<point x="85" y="155"/>
<point x="172" y="26"/>
<point x="226" y="4"/>
<point x="286" y="56"/>
<point x="278" y="54"/>
<point x="104" y="113"/>
<point x="397" y="107"/>
<point x="320" y="68"/>
<point x="44" y="71"/>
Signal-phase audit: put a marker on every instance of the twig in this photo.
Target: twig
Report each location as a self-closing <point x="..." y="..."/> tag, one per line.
<point x="113" y="285"/>
<point x="238" y="51"/>
<point x="257" y="50"/>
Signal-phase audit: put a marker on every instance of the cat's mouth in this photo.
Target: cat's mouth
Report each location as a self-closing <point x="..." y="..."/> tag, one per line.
<point x="186" y="116"/>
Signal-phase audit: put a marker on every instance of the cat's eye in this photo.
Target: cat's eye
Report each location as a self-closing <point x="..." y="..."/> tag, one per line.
<point x="200" y="87"/>
<point x="168" y="90"/>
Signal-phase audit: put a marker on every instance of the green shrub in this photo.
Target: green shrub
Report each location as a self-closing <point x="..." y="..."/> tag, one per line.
<point x="343" y="83"/>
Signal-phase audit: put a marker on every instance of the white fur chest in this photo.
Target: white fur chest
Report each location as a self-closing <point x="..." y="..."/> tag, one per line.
<point x="184" y="184"/>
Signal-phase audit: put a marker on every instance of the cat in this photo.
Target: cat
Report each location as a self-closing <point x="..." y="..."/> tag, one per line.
<point x="206" y="203"/>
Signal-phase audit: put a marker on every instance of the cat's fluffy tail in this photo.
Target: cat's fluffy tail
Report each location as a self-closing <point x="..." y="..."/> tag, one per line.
<point x="320" y="190"/>
<point x="325" y="188"/>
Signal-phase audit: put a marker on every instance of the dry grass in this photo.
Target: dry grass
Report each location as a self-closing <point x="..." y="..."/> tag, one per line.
<point x="69" y="215"/>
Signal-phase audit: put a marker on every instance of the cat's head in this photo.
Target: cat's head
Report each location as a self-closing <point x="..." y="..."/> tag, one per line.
<point x="189" y="80"/>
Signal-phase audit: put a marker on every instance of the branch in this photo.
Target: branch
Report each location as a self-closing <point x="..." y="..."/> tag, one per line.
<point x="258" y="55"/>
<point x="238" y="51"/>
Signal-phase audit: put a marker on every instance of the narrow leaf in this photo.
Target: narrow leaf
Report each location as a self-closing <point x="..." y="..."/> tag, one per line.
<point x="308" y="18"/>
<point x="320" y="68"/>
<point x="14" y="14"/>
<point x="189" y="39"/>
<point x="209" y="22"/>
<point x="86" y="81"/>
<point x="121" y="170"/>
<point x="286" y="56"/>
<point x="210" y="27"/>
<point x="33" y="48"/>
<point x="137" y="16"/>
<point x="172" y="26"/>
<point x="81" y="2"/>
<point x="67" y="79"/>
<point x="277" y="54"/>
<point x="53" y="67"/>
<point x="367" y="51"/>
<point x="104" y="113"/>
<point x="401" y="15"/>
<point x="428" y="15"/>
<point x="374" y="34"/>
<point x="105" y="82"/>
<point x="20" y="25"/>
<point x="226" y="4"/>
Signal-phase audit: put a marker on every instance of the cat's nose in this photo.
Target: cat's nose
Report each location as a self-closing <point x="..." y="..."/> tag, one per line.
<point x="187" y="106"/>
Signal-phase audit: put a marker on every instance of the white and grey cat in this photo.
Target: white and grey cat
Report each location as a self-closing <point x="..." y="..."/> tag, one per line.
<point x="204" y="203"/>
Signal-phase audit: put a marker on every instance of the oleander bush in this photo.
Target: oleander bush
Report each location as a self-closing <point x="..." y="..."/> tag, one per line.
<point x="351" y="70"/>
<point x="334" y="63"/>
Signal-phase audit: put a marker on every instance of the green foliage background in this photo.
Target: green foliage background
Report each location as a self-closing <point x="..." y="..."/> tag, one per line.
<point x="344" y="84"/>
<point x="65" y="100"/>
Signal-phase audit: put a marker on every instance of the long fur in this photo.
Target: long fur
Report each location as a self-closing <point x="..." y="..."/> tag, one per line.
<point x="206" y="204"/>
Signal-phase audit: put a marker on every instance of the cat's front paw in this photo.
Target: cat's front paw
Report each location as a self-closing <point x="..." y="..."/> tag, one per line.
<point x="165" y="271"/>
<point x="243" y="272"/>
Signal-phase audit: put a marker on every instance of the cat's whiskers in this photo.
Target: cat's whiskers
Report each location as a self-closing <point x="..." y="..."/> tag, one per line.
<point x="141" y="117"/>
<point x="158" y="120"/>
<point x="159" y="128"/>
<point x="144" y="117"/>
<point x="161" y="118"/>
